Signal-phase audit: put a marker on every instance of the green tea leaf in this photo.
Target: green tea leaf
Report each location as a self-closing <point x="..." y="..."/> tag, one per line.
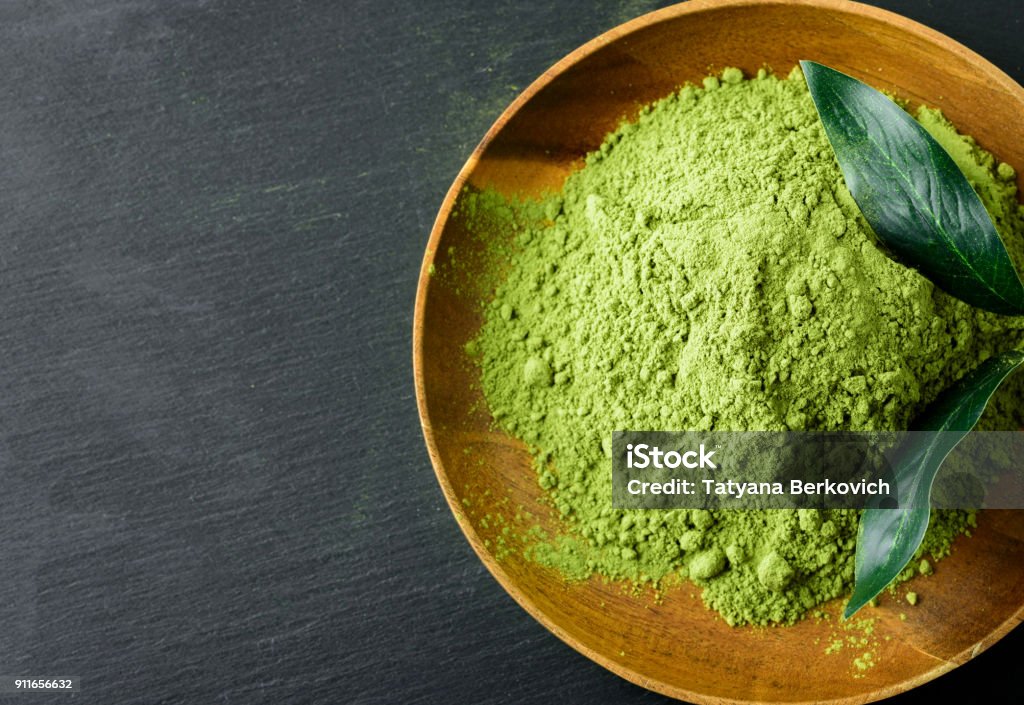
<point x="888" y="538"/>
<point x="911" y="192"/>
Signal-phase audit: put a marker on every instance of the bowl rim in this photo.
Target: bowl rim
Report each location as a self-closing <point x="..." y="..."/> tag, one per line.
<point x="1005" y="83"/>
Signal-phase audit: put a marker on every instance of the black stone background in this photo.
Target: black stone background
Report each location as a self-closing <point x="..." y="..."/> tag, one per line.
<point x="214" y="487"/>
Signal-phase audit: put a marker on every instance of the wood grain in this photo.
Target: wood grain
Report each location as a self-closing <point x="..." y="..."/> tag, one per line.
<point x="677" y="647"/>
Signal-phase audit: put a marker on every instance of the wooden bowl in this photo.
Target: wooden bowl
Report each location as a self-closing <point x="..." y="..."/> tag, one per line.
<point x="677" y="647"/>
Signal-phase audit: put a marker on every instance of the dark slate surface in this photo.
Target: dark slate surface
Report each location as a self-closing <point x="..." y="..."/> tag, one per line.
<point x="214" y="484"/>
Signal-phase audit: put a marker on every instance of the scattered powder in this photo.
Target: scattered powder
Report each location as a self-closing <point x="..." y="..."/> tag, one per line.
<point x="858" y="637"/>
<point x="707" y="269"/>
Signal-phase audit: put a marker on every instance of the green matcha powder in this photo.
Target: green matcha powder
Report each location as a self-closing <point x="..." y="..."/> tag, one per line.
<point x="707" y="269"/>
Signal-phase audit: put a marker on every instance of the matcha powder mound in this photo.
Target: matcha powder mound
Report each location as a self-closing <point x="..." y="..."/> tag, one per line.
<point x="707" y="269"/>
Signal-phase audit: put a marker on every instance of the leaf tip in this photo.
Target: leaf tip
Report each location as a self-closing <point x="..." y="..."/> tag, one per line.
<point x="852" y="608"/>
<point x="860" y="597"/>
<point x="808" y="66"/>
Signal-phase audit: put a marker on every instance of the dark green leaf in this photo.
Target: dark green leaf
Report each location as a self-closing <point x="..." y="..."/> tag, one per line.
<point x="888" y="538"/>
<point x="919" y="203"/>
